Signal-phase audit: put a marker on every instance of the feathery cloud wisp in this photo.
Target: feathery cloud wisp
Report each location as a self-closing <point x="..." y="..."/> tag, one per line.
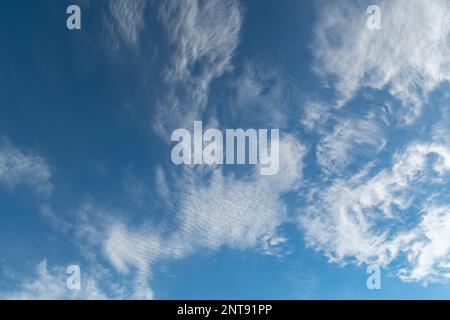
<point x="205" y="35"/>
<point x="410" y="55"/>
<point x="24" y="168"/>
<point x="125" y="20"/>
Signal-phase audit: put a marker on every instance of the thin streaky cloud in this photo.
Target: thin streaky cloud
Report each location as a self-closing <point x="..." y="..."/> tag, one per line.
<point x="19" y="167"/>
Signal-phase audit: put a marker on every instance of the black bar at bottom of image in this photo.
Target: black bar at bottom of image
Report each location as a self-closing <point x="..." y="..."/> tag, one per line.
<point x="214" y="309"/>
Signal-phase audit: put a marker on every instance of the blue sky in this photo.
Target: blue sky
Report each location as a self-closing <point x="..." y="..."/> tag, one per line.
<point x="86" y="176"/>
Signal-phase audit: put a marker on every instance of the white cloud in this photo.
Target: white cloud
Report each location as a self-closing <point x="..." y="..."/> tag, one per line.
<point x="18" y="167"/>
<point x="239" y="213"/>
<point x="204" y="35"/>
<point x="350" y="140"/>
<point x="126" y="20"/>
<point x="130" y="250"/>
<point x="429" y="256"/>
<point x="134" y="248"/>
<point x="410" y="55"/>
<point x="263" y="96"/>
<point x="227" y="211"/>
<point x="369" y="219"/>
<point x="315" y="115"/>
<point x="51" y="284"/>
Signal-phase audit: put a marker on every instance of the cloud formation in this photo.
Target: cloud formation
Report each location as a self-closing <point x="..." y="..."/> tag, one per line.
<point x="204" y="36"/>
<point x="409" y="56"/>
<point x="18" y="167"/>
<point x="377" y="218"/>
<point x="351" y="140"/>
<point x="262" y="96"/>
<point x="126" y="20"/>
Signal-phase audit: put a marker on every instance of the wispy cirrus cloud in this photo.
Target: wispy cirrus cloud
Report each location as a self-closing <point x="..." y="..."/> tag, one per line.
<point x="315" y="115"/>
<point x="125" y="21"/>
<point x="409" y="56"/>
<point x="18" y="167"/>
<point x="204" y="36"/>
<point x="263" y="96"/>
<point x="352" y="140"/>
